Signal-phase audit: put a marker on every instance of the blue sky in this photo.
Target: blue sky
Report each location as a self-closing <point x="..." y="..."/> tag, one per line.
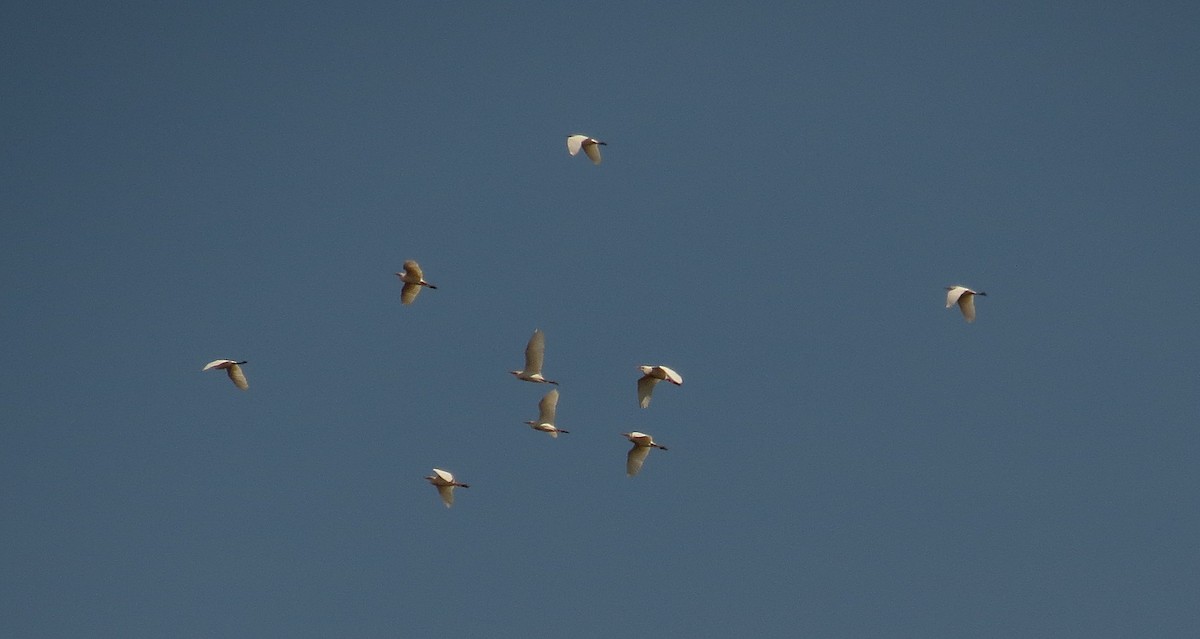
<point x="786" y="191"/>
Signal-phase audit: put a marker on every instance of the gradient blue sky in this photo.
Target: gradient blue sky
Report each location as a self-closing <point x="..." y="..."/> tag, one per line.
<point x="787" y="189"/>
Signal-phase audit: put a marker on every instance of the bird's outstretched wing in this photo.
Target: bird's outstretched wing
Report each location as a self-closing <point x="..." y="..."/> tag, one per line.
<point x="574" y="142"/>
<point x="413" y="270"/>
<point x="635" y="459"/>
<point x="645" y="388"/>
<point x="548" y="407"/>
<point x="966" y="303"/>
<point x="409" y="293"/>
<point x="534" y="352"/>
<point x="237" y="376"/>
<point x="593" y="151"/>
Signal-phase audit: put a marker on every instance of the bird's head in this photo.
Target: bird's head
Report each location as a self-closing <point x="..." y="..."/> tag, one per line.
<point x="645" y="369"/>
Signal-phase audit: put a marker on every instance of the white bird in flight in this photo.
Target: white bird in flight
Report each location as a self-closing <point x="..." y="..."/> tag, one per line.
<point x="413" y="280"/>
<point x="234" y="369"/>
<point x="534" y="352"/>
<point x="965" y="298"/>
<point x="444" y="482"/>
<point x="546" y="410"/>
<point x="642" y="443"/>
<point x="651" y="376"/>
<point x="590" y="146"/>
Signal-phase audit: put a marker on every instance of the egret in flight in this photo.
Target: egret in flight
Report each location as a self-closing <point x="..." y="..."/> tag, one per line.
<point x="233" y="369"/>
<point x="444" y="482"/>
<point x="651" y="376"/>
<point x="965" y="298"/>
<point x="642" y="443"/>
<point x="546" y="410"/>
<point x="413" y="280"/>
<point x="534" y="352"/>
<point x="590" y="146"/>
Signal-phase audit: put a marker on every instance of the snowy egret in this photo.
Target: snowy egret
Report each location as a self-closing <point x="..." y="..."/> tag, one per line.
<point x="965" y="298"/>
<point x="234" y="369"/>
<point x="651" y="375"/>
<point x="591" y="146"/>
<point x="534" y="351"/>
<point x="444" y="482"/>
<point x="546" y="410"/>
<point x="413" y="280"/>
<point x="642" y="443"/>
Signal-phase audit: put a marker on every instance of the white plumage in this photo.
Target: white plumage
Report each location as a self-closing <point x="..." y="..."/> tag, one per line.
<point x="534" y="352"/>
<point x="590" y="146"/>
<point x="232" y="368"/>
<point x="651" y="376"/>
<point x="445" y="484"/>
<point x="642" y="443"/>
<point x="546" y="412"/>
<point x="413" y="279"/>
<point x="965" y="298"/>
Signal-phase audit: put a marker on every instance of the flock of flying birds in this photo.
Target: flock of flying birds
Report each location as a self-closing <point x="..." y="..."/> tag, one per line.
<point x="413" y="280"/>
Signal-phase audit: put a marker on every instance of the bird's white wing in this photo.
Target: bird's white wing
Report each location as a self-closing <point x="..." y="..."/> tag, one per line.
<point x="238" y="377"/>
<point x="966" y="304"/>
<point x="574" y="142"/>
<point x="413" y="270"/>
<point x="547" y="407"/>
<point x="409" y="293"/>
<point x="593" y="151"/>
<point x="635" y="459"/>
<point x="645" y="388"/>
<point x="216" y="363"/>
<point x="447" y="493"/>
<point x="952" y="295"/>
<point x="534" y="351"/>
<point x="672" y="376"/>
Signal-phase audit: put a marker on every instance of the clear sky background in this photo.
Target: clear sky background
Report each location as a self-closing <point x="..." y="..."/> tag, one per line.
<point x="786" y="191"/>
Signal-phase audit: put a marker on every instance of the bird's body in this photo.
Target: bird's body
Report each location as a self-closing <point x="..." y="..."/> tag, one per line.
<point x="232" y="368"/>
<point x="546" y="411"/>
<point x="445" y="483"/>
<point x="534" y="353"/>
<point x="590" y="146"/>
<point x="965" y="298"/>
<point x="413" y="279"/>
<point x="651" y="376"/>
<point x="642" y="443"/>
